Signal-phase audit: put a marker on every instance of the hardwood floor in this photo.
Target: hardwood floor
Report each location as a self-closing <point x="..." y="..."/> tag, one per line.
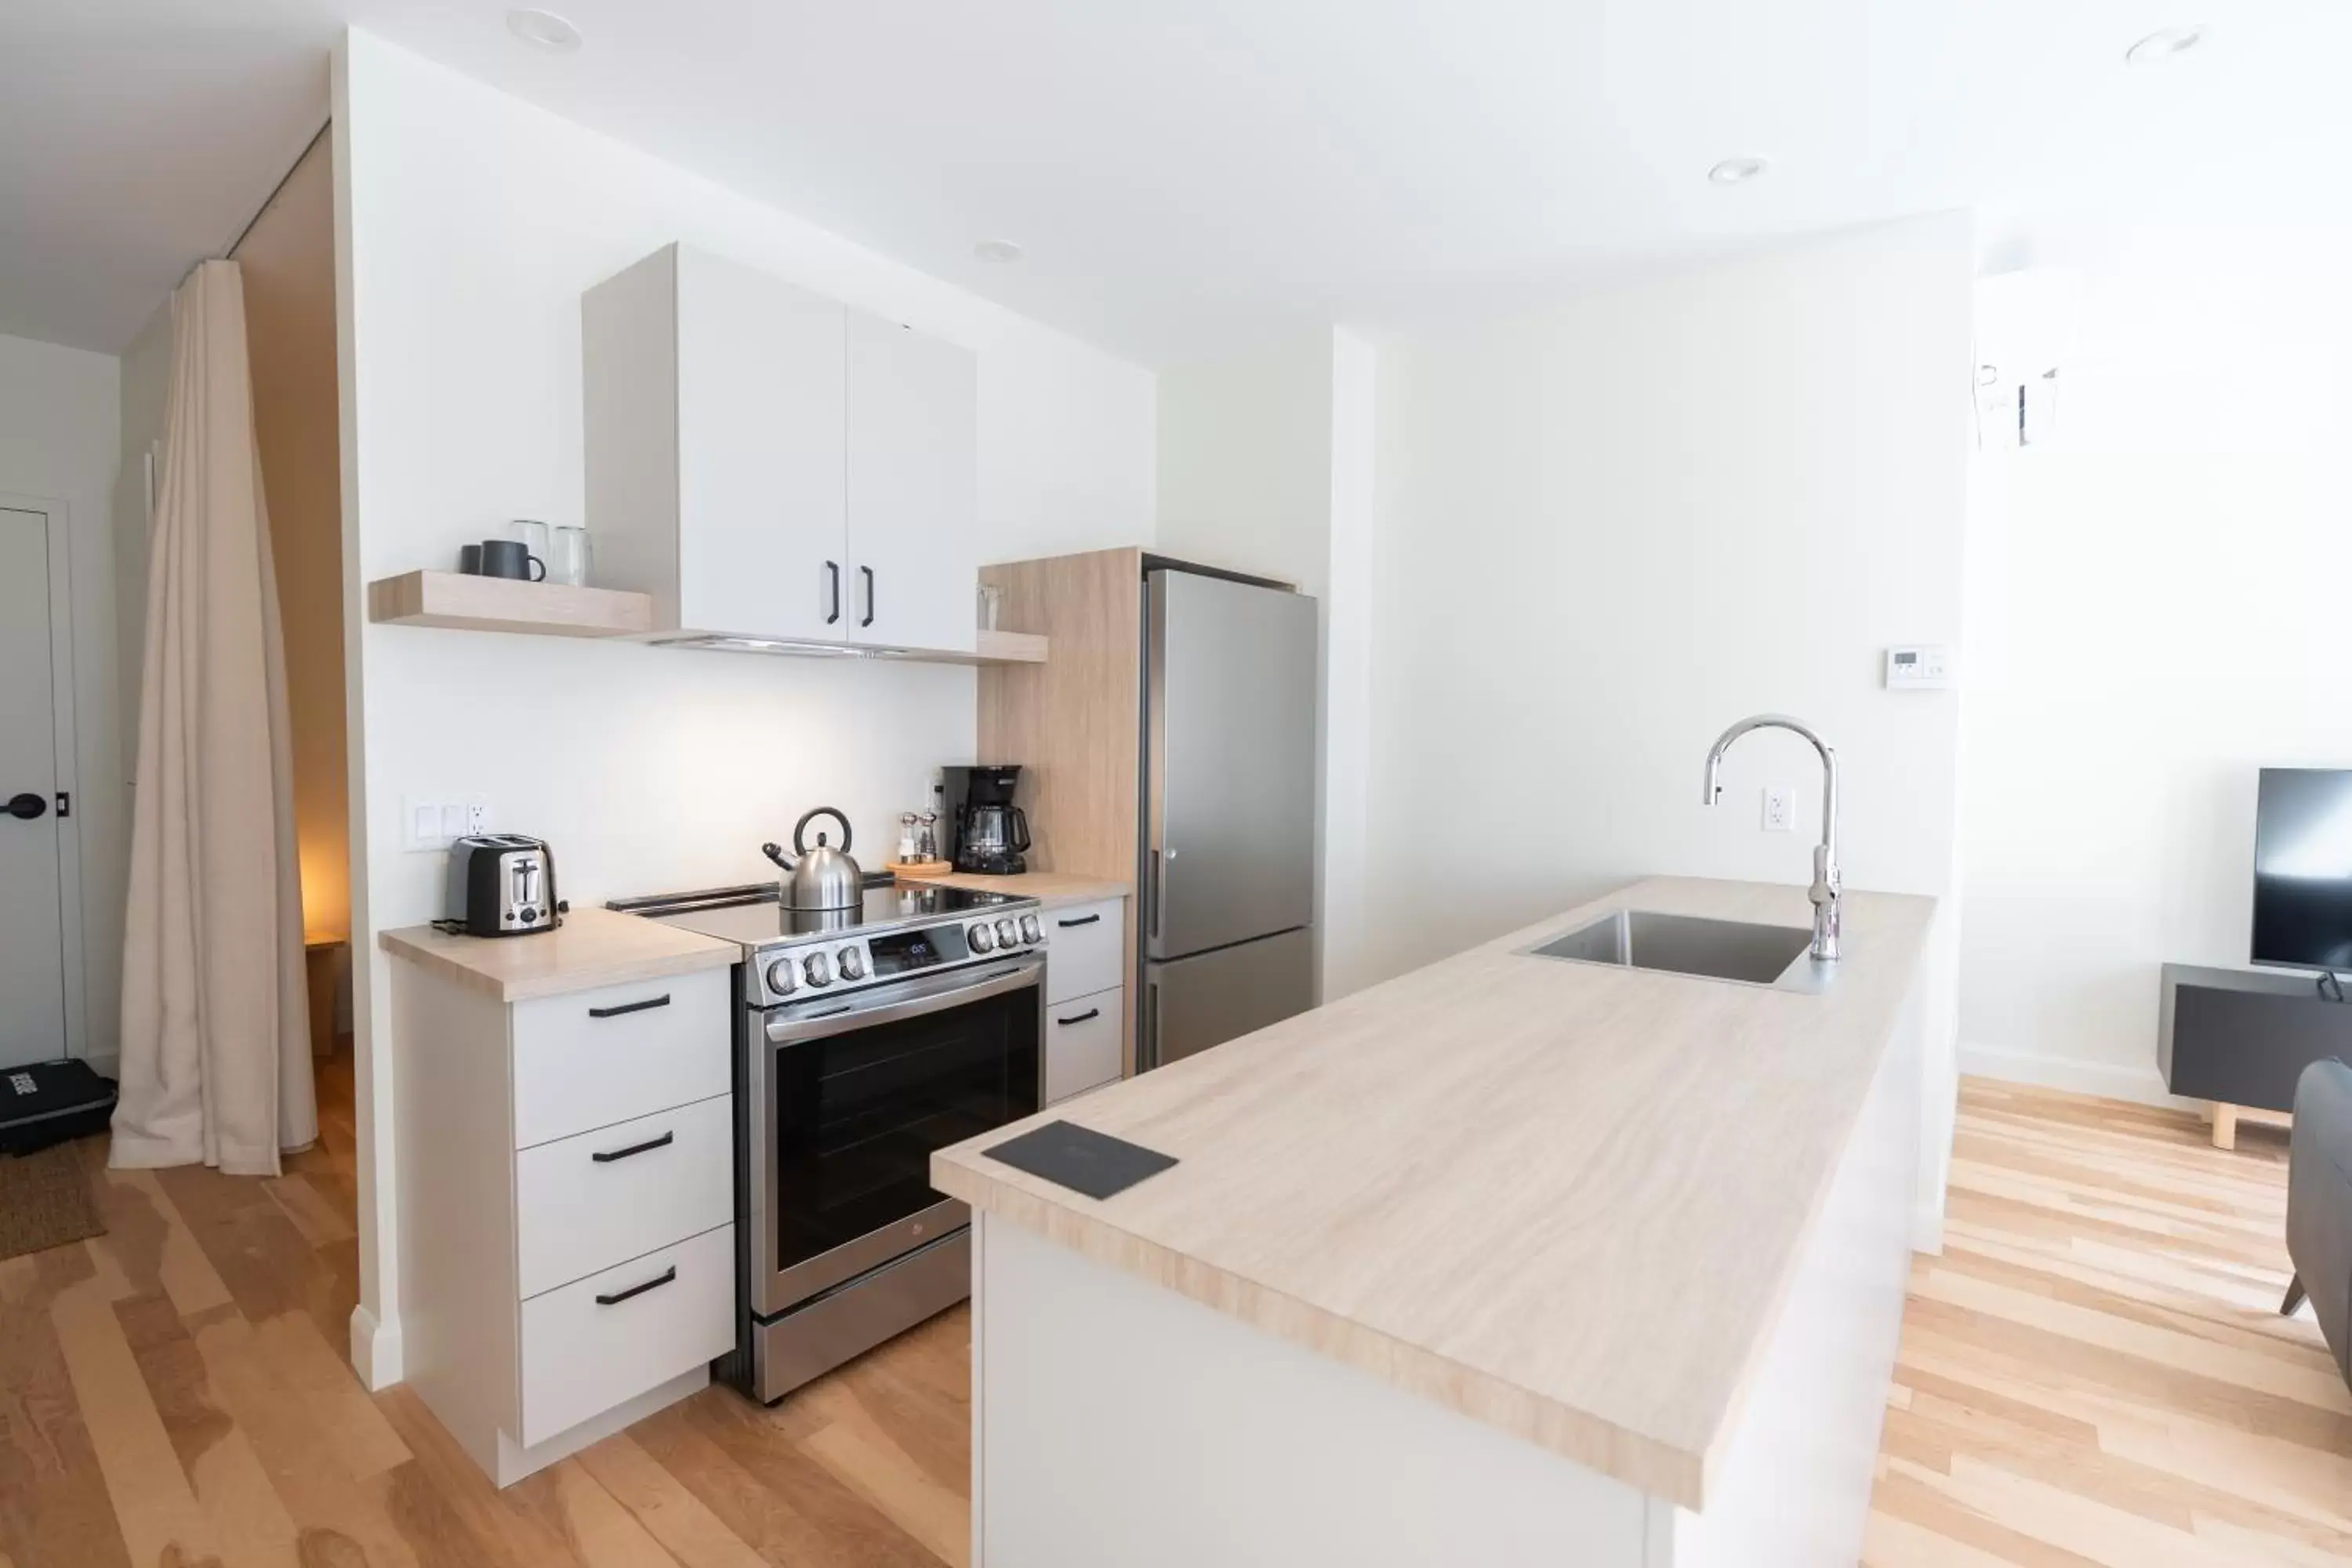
<point x="2092" y="1374"/>
<point x="2095" y="1371"/>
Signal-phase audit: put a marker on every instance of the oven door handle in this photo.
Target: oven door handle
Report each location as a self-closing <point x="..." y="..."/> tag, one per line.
<point x="789" y="1031"/>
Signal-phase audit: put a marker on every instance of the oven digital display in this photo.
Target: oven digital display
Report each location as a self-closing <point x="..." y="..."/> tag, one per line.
<point x="903" y="953"/>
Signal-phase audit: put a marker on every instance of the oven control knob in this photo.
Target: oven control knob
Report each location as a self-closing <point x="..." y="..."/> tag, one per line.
<point x="853" y="965"/>
<point x="983" y="938"/>
<point x="1007" y="933"/>
<point x="819" y="973"/>
<point x="780" y="978"/>
<point x="1029" y="932"/>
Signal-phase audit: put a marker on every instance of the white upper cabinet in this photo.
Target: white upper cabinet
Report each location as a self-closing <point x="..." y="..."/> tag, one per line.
<point x="914" y="412"/>
<point x="768" y="463"/>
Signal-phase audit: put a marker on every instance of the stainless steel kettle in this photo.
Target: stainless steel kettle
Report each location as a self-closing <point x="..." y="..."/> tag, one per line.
<point x="823" y="877"/>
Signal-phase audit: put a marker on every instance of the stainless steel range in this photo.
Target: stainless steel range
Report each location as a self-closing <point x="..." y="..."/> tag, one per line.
<point x="866" y="1039"/>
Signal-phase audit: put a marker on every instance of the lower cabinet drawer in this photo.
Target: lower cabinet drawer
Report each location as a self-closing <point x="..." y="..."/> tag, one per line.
<point x="587" y="1203"/>
<point x="590" y="1058"/>
<point x="612" y="1336"/>
<point x="1082" y="1043"/>
<point x="1085" y="949"/>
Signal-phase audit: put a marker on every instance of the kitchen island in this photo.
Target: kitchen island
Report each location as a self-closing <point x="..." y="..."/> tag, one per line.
<point x="1511" y="1261"/>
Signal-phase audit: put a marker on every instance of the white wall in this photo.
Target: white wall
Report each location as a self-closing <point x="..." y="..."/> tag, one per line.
<point x="1245" y="462"/>
<point x="2156" y="611"/>
<point x="1609" y="528"/>
<point x="470" y="222"/>
<point x="60" y="420"/>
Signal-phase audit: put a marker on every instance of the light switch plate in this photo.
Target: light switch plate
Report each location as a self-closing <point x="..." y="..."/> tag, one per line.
<point x="434" y="822"/>
<point x="1920" y="666"/>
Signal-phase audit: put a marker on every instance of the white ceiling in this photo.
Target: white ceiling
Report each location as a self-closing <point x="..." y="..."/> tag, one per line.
<point x="1185" y="178"/>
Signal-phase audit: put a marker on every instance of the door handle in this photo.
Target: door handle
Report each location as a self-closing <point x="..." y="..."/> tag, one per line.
<point x="606" y="1156"/>
<point x="656" y="1283"/>
<point x="832" y="576"/>
<point x="25" y="807"/>
<point x="619" y="1008"/>
<point x="1151" y="1032"/>
<point x="870" y="596"/>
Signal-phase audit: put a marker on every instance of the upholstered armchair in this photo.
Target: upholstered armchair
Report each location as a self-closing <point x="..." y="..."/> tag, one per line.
<point x="2319" y="1203"/>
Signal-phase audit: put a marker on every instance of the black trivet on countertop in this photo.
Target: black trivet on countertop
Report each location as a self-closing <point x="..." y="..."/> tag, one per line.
<point x="1080" y="1158"/>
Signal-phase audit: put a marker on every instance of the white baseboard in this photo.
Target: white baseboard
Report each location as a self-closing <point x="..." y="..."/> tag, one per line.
<point x="375" y="1350"/>
<point x="1927" y="1229"/>
<point x="2141" y="1085"/>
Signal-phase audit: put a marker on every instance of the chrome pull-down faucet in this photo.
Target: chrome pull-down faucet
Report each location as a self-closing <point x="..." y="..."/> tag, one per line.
<point x="1828" y="885"/>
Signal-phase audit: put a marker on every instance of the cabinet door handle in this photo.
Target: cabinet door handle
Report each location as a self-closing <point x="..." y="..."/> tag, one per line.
<point x="1081" y="921"/>
<point x="870" y="596"/>
<point x="656" y="1283"/>
<point x="833" y="576"/>
<point x="606" y="1156"/>
<point x="1079" y="1019"/>
<point x="660" y="1001"/>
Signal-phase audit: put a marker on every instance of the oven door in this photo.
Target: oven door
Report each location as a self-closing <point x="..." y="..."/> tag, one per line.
<point x="849" y="1097"/>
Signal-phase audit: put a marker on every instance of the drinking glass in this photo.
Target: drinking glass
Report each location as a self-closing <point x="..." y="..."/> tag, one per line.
<point x="533" y="535"/>
<point x="569" y="562"/>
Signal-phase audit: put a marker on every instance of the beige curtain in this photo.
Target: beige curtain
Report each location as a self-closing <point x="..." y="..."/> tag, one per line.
<point x="215" y="1052"/>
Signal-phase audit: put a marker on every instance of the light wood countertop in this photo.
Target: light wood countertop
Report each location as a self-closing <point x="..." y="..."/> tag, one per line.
<point x="1053" y="889"/>
<point x="592" y="947"/>
<point x="1561" y="1199"/>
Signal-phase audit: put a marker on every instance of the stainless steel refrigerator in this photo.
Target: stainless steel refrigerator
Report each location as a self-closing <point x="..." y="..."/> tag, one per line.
<point x="1228" y="850"/>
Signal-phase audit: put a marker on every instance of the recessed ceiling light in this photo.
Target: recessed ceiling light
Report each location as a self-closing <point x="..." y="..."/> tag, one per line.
<point x="544" y="29"/>
<point x="997" y="250"/>
<point x="2169" y="44"/>
<point x="1738" y="170"/>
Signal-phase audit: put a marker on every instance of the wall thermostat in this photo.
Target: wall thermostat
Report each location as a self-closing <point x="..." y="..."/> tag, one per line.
<point x="1924" y="667"/>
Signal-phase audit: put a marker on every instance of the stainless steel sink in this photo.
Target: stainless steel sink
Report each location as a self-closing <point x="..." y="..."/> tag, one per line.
<point x="1738" y="951"/>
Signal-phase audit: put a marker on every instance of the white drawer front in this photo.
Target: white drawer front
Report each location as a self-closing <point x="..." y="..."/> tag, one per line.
<point x="589" y="1202"/>
<point x="1082" y="1043"/>
<point x="595" y="1058"/>
<point x="1085" y="948"/>
<point x="582" y="1356"/>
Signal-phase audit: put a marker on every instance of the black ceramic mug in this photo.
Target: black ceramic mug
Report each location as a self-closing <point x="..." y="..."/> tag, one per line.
<point x="507" y="557"/>
<point x="469" y="560"/>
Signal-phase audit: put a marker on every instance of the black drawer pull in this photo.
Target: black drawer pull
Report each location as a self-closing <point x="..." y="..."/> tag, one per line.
<point x="661" y="1001"/>
<point x="1082" y="1018"/>
<point x="656" y="1283"/>
<point x="607" y="1156"/>
<point x="1081" y="921"/>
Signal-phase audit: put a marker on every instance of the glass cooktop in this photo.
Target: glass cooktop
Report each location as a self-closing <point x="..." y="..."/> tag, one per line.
<point x="751" y="916"/>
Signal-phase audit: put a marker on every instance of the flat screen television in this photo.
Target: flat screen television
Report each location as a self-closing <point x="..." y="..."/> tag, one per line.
<point x="2303" y="868"/>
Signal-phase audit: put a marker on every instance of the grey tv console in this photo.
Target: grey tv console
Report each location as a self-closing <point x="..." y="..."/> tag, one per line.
<point x="2241" y="1037"/>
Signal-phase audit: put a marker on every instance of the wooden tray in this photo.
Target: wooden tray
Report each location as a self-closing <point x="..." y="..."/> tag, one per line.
<point x="918" y="868"/>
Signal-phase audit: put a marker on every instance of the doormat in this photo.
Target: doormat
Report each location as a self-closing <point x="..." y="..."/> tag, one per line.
<point x="44" y="1201"/>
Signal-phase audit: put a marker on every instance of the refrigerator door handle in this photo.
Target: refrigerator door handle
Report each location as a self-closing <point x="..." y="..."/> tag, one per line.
<point x="1159" y="886"/>
<point x="1148" y="1052"/>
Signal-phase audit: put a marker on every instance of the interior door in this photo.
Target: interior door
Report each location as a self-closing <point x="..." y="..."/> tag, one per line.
<point x="1230" y="762"/>
<point x="914" y="414"/>
<point x="762" y="546"/>
<point x="32" y="935"/>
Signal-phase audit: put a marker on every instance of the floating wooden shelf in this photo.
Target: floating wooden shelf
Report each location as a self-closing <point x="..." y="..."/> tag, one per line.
<point x="503" y="605"/>
<point x="1010" y="647"/>
<point x="453" y="599"/>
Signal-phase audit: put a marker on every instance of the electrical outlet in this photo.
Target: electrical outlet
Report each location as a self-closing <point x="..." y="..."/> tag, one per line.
<point x="1780" y="809"/>
<point x="434" y="822"/>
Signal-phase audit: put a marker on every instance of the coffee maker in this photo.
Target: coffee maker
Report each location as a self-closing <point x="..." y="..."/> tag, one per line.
<point x="988" y="831"/>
